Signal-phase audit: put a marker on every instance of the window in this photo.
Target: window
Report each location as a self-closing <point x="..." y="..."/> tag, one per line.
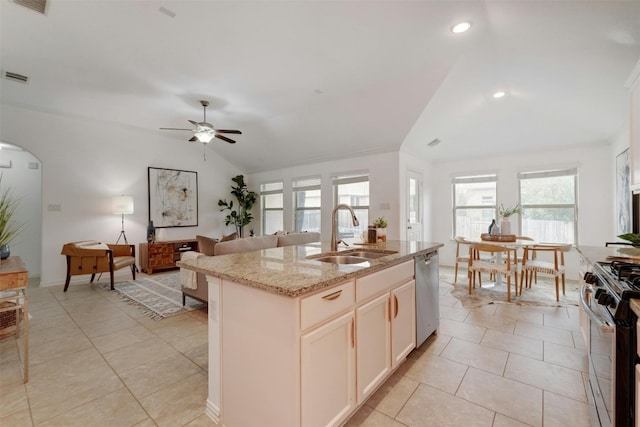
<point x="271" y="201"/>
<point x="306" y="199"/>
<point x="548" y="200"/>
<point x="474" y="204"/>
<point x="352" y="190"/>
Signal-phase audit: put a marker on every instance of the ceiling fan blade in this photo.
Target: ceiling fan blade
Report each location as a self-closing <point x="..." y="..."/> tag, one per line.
<point x="224" y="138"/>
<point x="229" y="131"/>
<point x="193" y="123"/>
<point x="174" y="129"/>
<point x="193" y="138"/>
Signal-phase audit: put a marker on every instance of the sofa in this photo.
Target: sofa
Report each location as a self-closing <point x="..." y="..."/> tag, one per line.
<point x="212" y="247"/>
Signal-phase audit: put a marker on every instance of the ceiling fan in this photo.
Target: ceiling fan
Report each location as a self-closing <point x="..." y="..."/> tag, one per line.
<point x="204" y="132"/>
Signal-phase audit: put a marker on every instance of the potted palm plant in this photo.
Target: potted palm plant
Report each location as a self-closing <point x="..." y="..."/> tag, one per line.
<point x="9" y="228"/>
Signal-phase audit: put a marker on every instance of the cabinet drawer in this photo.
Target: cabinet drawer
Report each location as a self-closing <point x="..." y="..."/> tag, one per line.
<point x="321" y="306"/>
<point x="384" y="280"/>
<point x="155" y="249"/>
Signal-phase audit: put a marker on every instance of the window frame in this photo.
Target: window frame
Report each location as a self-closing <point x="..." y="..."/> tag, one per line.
<point x="298" y="185"/>
<point x="549" y="174"/>
<point x="469" y="179"/>
<point x="264" y="209"/>
<point x="353" y="178"/>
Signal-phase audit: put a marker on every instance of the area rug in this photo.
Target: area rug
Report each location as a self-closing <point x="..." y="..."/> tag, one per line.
<point x="541" y="294"/>
<point x="159" y="296"/>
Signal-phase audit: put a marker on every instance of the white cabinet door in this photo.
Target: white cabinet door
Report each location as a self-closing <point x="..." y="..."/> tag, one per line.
<point x="328" y="372"/>
<point x="374" y="345"/>
<point x="403" y="322"/>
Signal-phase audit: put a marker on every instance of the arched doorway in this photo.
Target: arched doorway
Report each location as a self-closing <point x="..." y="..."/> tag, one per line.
<point x="22" y="173"/>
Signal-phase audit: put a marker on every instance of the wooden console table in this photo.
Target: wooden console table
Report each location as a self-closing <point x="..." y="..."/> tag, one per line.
<point x="14" y="305"/>
<point x="163" y="255"/>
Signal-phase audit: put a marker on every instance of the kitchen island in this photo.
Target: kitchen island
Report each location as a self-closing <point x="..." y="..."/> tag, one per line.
<point x="294" y="341"/>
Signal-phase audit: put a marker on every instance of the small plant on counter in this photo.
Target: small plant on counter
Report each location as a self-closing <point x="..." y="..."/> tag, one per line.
<point x="506" y="213"/>
<point x="631" y="237"/>
<point x="380" y="222"/>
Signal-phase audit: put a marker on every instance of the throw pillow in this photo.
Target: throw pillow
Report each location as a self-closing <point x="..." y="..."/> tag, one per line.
<point x="231" y="236"/>
<point x="206" y="245"/>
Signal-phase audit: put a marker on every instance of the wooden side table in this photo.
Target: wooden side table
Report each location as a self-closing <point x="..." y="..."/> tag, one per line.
<point x="14" y="304"/>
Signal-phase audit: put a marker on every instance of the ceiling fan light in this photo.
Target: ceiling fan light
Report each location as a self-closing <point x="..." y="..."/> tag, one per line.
<point x="204" y="137"/>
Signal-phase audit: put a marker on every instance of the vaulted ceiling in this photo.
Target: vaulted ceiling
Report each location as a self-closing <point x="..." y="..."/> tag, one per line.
<point x="315" y="80"/>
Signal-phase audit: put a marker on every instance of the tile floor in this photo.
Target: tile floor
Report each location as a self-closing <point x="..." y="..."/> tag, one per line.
<point x="98" y="361"/>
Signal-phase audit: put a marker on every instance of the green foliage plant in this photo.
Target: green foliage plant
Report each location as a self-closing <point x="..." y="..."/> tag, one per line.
<point x="9" y="229"/>
<point x="506" y="213"/>
<point x="380" y="222"/>
<point x="631" y="237"/>
<point x="241" y="216"/>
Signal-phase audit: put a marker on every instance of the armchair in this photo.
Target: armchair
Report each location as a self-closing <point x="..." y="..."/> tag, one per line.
<point x="91" y="257"/>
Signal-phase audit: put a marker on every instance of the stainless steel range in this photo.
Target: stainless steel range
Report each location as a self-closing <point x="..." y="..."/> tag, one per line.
<point x="612" y="340"/>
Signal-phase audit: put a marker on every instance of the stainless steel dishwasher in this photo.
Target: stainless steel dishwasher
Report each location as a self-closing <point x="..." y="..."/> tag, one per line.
<point x="427" y="296"/>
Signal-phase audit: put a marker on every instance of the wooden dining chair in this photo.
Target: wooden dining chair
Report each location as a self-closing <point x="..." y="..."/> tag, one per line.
<point x="492" y="264"/>
<point x="460" y="257"/>
<point x="554" y="267"/>
<point x="533" y="256"/>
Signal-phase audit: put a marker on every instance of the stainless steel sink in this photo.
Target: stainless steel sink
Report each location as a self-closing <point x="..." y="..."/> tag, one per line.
<point x="341" y="259"/>
<point x="369" y="254"/>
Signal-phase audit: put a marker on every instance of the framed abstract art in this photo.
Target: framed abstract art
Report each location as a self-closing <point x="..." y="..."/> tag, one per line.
<point x="173" y="197"/>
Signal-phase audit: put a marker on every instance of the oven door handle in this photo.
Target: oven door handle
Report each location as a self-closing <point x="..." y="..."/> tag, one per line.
<point x="606" y="326"/>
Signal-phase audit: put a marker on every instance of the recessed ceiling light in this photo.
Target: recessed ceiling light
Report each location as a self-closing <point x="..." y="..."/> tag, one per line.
<point x="499" y="94"/>
<point x="461" y="27"/>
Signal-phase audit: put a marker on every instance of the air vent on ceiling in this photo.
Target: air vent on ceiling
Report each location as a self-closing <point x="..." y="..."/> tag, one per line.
<point x="434" y="143"/>
<point x="15" y="77"/>
<point x="37" y="5"/>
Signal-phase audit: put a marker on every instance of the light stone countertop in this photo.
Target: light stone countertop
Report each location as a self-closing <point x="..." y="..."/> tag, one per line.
<point x="595" y="254"/>
<point x="287" y="271"/>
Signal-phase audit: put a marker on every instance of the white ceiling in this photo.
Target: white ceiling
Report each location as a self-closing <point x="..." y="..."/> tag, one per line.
<point x="308" y="81"/>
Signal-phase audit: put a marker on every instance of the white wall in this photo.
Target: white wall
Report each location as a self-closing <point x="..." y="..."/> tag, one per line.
<point x="595" y="194"/>
<point x="86" y="163"/>
<point x="25" y="184"/>
<point x="383" y="188"/>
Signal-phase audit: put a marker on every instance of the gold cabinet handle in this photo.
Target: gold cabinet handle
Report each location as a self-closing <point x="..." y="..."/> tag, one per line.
<point x="389" y="309"/>
<point x="332" y="296"/>
<point x="353" y="333"/>
<point x="396" y="308"/>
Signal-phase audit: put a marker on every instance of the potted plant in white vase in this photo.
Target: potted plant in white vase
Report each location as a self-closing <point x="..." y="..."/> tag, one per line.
<point x="381" y="228"/>
<point x="505" y="217"/>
